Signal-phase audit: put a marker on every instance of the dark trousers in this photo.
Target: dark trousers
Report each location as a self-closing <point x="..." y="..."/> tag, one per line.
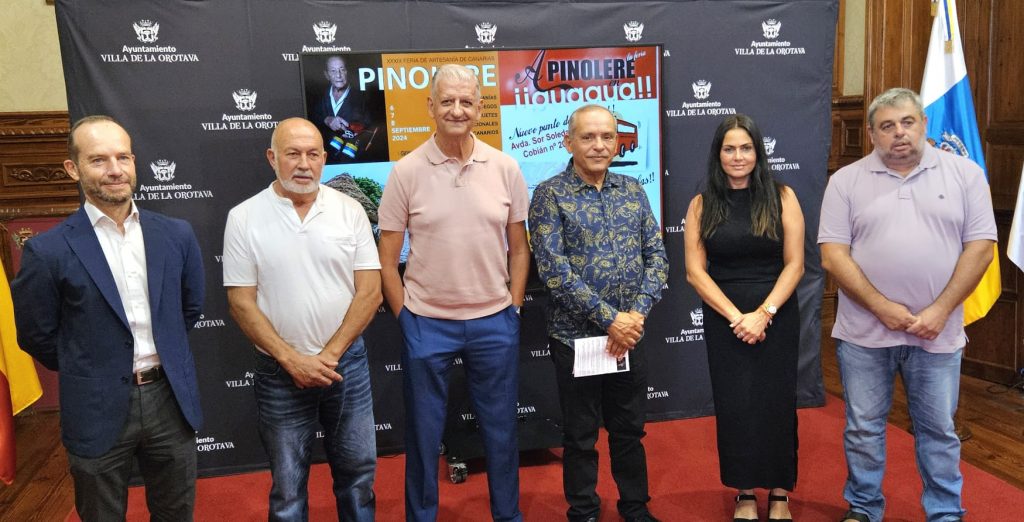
<point x="619" y="399"/>
<point x="165" y="445"/>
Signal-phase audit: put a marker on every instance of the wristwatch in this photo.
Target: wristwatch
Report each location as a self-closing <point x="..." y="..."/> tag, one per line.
<point x="770" y="309"/>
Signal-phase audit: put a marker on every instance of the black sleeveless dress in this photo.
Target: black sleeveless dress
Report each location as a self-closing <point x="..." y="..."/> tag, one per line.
<point x="754" y="386"/>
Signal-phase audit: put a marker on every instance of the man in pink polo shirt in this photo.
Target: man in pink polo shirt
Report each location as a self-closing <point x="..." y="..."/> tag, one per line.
<point x="907" y="233"/>
<point x="464" y="205"/>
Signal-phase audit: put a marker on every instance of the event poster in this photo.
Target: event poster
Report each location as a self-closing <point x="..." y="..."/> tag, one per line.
<point x="527" y="94"/>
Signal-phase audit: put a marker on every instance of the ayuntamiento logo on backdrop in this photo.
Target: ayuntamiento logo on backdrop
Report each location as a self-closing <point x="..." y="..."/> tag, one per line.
<point x="634" y="31"/>
<point x="147" y="32"/>
<point x="243" y="381"/>
<point x="705" y="105"/>
<point x="245" y="102"/>
<point x="164" y="187"/>
<point x="211" y="444"/>
<point x="777" y="163"/>
<point x="694" y="333"/>
<point x="485" y="32"/>
<point x="676" y="229"/>
<point x="770" y="45"/>
<point x="325" y="33"/>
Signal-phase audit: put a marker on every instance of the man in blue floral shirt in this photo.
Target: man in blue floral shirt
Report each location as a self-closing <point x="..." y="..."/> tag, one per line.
<point x="600" y="254"/>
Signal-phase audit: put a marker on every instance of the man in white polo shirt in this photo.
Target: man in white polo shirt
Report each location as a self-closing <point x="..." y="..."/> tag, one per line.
<point x="303" y="281"/>
<point x="907" y="233"/>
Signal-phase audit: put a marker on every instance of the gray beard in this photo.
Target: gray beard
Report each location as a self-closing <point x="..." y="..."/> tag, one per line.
<point x="296" y="188"/>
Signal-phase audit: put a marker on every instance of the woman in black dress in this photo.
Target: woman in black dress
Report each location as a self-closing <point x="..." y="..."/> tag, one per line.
<point x="744" y="256"/>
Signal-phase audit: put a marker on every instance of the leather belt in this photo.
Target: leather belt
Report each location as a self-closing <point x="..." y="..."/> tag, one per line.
<point x="149" y="375"/>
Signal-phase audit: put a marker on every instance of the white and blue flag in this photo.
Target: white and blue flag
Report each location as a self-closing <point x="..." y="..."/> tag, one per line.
<point x="953" y="126"/>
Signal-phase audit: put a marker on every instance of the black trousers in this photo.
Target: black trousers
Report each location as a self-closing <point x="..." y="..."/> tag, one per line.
<point x="619" y="400"/>
<point x="158" y="435"/>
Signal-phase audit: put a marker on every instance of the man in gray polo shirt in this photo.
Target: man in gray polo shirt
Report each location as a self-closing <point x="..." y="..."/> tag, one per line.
<point x="907" y="233"/>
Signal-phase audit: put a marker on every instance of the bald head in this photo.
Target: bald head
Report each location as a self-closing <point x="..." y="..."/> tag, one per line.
<point x="294" y="128"/>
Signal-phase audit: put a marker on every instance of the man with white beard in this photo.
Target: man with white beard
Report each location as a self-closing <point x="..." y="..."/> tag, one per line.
<point x="303" y="281"/>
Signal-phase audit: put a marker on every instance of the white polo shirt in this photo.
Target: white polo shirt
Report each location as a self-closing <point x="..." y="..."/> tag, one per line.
<point x="303" y="271"/>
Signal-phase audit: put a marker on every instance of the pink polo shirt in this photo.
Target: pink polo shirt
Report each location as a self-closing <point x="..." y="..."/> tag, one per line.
<point x="906" y="234"/>
<point x="456" y="215"/>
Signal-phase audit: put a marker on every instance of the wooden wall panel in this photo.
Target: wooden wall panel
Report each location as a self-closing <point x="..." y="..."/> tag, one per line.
<point x="1006" y="44"/>
<point x="895" y="45"/>
<point x="33" y="183"/>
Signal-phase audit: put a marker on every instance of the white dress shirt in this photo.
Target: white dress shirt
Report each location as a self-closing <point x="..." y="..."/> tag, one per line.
<point x="126" y="256"/>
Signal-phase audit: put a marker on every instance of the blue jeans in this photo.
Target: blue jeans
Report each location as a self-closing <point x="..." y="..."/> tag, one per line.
<point x="288" y="419"/>
<point x="489" y="348"/>
<point x="932" y="382"/>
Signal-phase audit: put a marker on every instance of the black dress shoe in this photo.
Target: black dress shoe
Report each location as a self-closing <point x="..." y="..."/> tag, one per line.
<point x="646" y="517"/>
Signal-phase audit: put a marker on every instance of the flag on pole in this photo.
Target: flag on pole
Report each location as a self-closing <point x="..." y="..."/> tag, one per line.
<point x="953" y="127"/>
<point x="19" y="384"/>
<point x="1015" y="246"/>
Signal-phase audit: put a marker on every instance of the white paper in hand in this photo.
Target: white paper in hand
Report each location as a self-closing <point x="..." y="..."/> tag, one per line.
<point x="592" y="359"/>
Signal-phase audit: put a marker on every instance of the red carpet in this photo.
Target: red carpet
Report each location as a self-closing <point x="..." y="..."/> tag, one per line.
<point x="683" y="481"/>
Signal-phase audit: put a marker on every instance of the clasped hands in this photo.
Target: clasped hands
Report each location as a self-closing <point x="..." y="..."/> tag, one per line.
<point x="625" y="331"/>
<point x="927" y="324"/>
<point x="750" y="327"/>
<point x="311" y="371"/>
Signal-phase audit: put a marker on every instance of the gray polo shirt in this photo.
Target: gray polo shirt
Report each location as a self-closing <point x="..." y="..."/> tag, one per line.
<point x="906" y="234"/>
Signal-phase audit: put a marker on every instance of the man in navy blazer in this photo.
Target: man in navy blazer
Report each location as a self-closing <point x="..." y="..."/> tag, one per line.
<point x="106" y="299"/>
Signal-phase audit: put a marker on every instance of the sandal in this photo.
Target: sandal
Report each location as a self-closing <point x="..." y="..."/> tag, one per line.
<point x="741" y="498"/>
<point x="778" y="498"/>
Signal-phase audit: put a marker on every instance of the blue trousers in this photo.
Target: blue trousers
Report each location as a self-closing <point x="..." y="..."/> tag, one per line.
<point x="288" y="420"/>
<point x="489" y="348"/>
<point x="932" y="382"/>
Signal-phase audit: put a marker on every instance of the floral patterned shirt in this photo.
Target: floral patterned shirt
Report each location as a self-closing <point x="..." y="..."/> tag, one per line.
<point x="598" y="252"/>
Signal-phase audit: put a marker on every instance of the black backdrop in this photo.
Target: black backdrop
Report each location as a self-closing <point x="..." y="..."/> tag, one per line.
<point x="172" y="71"/>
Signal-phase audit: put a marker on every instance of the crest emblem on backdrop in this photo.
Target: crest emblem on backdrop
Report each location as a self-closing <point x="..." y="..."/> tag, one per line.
<point x="697" y="316"/>
<point x="769" y="145"/>
<point x="771" y="28"/>
<point x="163" y="170"/>
<point x="146" y="30"/>
<point x="325" y="31"/>
<point x="485" y="32"/>
<point x="634" y="30"/>
<point x="245" y="100"/>
<point x="701" y="89"/>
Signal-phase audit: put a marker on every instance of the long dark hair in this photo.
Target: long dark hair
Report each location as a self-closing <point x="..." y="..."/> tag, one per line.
<point x="765" y="192"/>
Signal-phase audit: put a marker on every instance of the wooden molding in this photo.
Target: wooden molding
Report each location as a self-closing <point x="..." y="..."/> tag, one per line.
<point x="34" y="124"/>
<point x="35" y="173"/>
<point x="33" y="182"/>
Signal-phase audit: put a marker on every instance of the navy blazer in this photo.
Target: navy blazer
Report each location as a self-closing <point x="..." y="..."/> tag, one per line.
<point x="70" y="318"/>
